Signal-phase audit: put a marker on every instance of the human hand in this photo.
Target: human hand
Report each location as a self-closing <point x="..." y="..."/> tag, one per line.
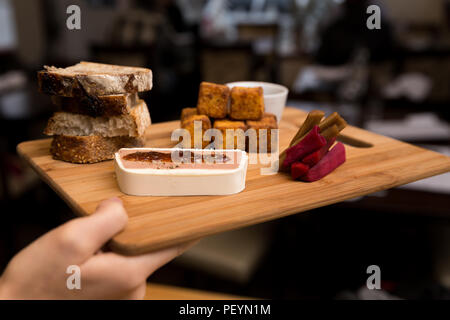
<point x="39" y="270"/>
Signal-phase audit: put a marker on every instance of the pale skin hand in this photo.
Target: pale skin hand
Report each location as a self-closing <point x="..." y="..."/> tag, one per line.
<point x="39" y="270"/>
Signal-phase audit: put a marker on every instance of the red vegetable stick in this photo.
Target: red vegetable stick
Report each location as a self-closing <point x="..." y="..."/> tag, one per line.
<point x="310" y="143"/>
<point x="312" y="159"/>
<point x="333" y="159"/>
<point x="298" y="170"/>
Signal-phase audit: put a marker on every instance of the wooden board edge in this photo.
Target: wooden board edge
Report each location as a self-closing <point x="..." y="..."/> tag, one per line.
<point x="78" y="210"/>
<point x="133" y="250"/>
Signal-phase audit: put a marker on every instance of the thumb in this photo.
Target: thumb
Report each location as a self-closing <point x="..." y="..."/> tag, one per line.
<point x="83" y="237"/>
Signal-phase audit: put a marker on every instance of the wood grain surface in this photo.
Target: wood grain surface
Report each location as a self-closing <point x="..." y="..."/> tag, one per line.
<point x="374" y="163"/>
<point x="157" y="291"/>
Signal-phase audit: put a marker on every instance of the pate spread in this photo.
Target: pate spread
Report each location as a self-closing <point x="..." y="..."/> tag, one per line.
<point x="179" y="159"/>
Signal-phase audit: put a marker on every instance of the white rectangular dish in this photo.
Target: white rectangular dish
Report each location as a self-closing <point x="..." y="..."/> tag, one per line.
<point x="180" y="172"/>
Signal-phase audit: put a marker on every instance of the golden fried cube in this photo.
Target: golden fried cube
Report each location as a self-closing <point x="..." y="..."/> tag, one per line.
<point x="196" y="125"/>
<point x="263" y="134"/>
<point x="213" y="100"/>
<point x="246" y="103"/>
<point x="232" y="134"/>
<point x="187" y="112"/>
<point x="269" y="118"/>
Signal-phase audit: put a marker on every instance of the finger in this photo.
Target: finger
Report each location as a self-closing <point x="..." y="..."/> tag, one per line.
<point x="148" y="263"/>
<point x="83" y="237"/>
<point x="126" y="272"/>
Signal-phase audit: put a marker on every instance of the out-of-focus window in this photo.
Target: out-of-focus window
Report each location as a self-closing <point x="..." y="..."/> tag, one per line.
<point x="8" y="38"/>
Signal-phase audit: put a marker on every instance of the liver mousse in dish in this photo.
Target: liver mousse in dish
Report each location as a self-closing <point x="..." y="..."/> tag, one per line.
<point x="180" y="172"/>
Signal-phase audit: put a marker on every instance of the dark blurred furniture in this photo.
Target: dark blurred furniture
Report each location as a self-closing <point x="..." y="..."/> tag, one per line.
<point x="28" y="206"/>
<point x="252" y="56"/>
<point x="404" y="202"/>
<point x="223" y="62"/>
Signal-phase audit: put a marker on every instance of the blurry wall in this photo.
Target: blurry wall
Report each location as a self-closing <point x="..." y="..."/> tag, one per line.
<point x="30" y="31"/>
<point x="416" y="11"/>
<point x="96" y="21"/>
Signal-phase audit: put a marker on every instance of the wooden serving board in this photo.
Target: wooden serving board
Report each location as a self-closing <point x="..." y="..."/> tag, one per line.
<point x="374" y="163"/>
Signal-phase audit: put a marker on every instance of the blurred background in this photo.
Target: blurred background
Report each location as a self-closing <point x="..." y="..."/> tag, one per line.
<point x="394" y="81"/>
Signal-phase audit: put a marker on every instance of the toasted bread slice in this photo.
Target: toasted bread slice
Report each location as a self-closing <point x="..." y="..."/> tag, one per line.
<point x="101" y="106"/>
<point x="91" y="149"/>
<point x="93" y="79"/>
<point x="71" y="124"/>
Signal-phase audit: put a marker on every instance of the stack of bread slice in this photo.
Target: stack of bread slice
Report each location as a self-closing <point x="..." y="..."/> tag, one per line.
<point x="99" y="110"/>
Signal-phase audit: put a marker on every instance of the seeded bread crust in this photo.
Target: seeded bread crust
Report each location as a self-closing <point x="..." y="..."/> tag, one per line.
<point x="91" y="149"/>
<point x="93" y="79"/>
<point x="101" y="106"/>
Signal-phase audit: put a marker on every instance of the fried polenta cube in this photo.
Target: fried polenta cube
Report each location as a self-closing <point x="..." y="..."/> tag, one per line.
<point x="269" y="118"/>
<point x="196" y="126"/>
<point x="232" y="134"/>
<point x="246" y="103"/>
<point x="187" y="112"/>
<point x="213" y="100"/>
<point x="261" y="141"/>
